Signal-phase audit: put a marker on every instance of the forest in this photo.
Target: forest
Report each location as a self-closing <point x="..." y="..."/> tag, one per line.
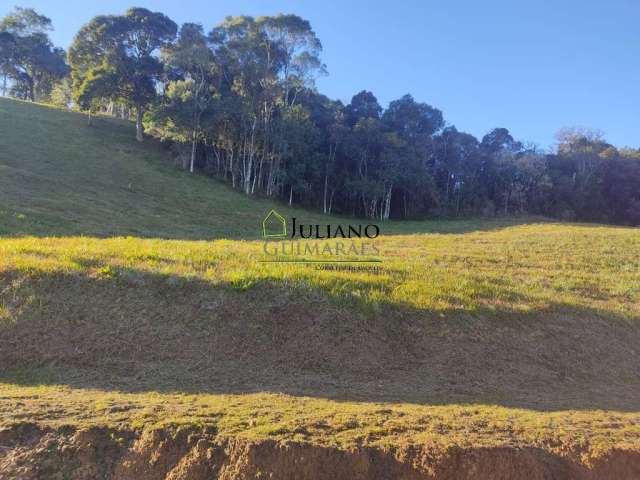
<point x="239" y="102"/>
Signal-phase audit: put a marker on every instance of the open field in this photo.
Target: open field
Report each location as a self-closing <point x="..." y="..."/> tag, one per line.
<point x="514" y="338"/>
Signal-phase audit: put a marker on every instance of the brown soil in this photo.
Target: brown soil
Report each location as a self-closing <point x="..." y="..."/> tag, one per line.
<point x="29" y="452"/>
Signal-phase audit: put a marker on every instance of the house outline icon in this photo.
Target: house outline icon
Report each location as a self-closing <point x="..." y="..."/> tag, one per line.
<point x="271" y="216"/>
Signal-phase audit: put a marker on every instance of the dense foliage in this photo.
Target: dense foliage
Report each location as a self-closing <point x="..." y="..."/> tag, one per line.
<point x="240" y="103"/>
<point x="27" y="56"/>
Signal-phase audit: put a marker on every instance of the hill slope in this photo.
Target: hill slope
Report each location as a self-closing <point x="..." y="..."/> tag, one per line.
<point x="60" y="177"/>
<point x="504" y="352"/>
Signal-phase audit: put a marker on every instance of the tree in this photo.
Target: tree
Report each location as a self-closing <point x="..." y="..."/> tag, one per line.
<point x="414" y="124"/>
<point x="7" y="58"/>
<point x="363" y="105"/>
<point x="577" y="171"/>
<point x="27" y="56"/>
<point x="298" y="52"/>
<point x="300" y="150"/>
<point x="192" y="94"/>
<point x="266" y="63"/>
<point x="61" y="94"/>
<point x="499" y="153"/>
<point x="115" y="58"/>
<point x="365" y="144"/>
<point x="241" y="103"/>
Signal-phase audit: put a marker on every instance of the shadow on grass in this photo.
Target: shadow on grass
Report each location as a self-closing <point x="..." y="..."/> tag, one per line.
<point x="217" y="226"/>
<point x="136" y="331"/>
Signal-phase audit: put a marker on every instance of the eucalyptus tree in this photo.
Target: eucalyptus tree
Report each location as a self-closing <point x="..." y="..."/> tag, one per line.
<point x="300" y="151"/>
<point x="27" y="56"/>
<point x="364" y="146"/>
<point x="327" y="116"/>
<point x="363" y="104"/>
<point x="114" y="57"/>
<point x="335" y="134"/>
<point x="191" y="93"/>
<point x="7" y="58"/>
<point x="502" y="150"/>
<point x="577" y="170"/>
<point x="457" y="160"/>
<point x="296" y="49"/>
<point x="242" y="101"/>
<point x="265" y="63"/>
<point x="414" y="124"/>
<point x="250" y="70"/>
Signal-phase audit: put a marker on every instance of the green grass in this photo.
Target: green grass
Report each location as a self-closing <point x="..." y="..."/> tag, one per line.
<point x="469" y="333"/>
<point x="59" y="176"/>
<point x="324" y="422"/>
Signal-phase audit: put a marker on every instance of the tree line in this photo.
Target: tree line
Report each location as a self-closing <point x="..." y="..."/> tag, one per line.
<point x="239" y="102"/>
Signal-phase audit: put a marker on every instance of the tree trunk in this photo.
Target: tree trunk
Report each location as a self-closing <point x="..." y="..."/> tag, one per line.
<point x="232" y="170"/>
<point x="89" y="119"/>
<point x="324" y="196"/>
<point x="506" y="202"/>
<point x="217" y="153"/>
<point x="404" y="199"/>
<point x="139" y="128"/>
<point x="193" y="152"/>
<point x="32" y="95"/>
<point x="387" y="204"/>
<point x="447" y="190"/>
<point x="257" y="177"/>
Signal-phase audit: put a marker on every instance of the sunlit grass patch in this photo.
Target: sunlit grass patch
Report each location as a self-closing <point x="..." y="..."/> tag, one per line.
<point x="320" y="421"/>
<point x="518" y="268"/>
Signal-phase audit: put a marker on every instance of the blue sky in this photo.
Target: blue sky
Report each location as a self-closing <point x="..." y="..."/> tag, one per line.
<point x="532" y="67"/>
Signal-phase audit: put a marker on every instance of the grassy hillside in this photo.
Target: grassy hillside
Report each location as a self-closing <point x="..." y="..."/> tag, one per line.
<point x="60" y="177"/>
<point x="495" y="336"/>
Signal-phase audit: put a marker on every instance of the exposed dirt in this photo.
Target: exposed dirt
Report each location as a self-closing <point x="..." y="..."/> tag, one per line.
<point x="32" y="453"/>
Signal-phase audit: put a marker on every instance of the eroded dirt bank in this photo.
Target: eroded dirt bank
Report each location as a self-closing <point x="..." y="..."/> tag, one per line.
<point x="28" y="452"/>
